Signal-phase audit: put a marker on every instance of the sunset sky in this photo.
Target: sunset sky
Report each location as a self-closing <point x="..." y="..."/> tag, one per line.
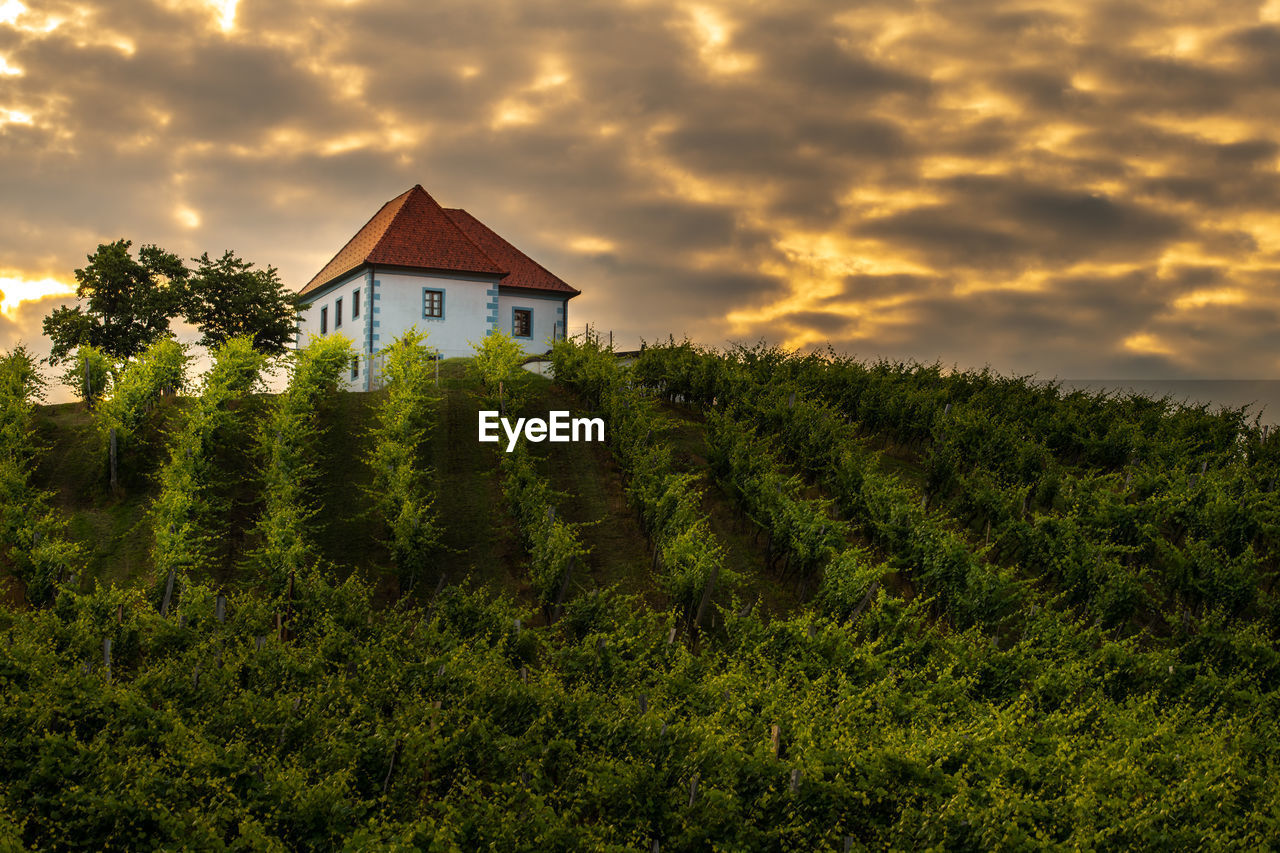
<point x="1074" y="189"/>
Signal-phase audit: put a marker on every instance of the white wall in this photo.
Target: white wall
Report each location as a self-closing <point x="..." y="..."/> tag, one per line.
<point x="392" y="301"/>
<point x="548" y="311"/>
<point x="399" y="303"/>
<point x="355" y="329"/>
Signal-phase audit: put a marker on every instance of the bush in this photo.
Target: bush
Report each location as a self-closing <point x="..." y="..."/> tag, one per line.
<point x="88" y="374"/>
<point x="497" y="363"/>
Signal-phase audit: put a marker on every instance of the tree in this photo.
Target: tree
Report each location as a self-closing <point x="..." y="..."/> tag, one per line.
<point x="227" y="298"/>
<point x="129" y="302"/>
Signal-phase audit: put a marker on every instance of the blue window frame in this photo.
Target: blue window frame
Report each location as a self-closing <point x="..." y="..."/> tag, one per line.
<point x="432" y="304"/>
<point x="355" y="367"/>
<point x="355" y="304"/>
<point x="337" y="313"/>
<point x="522" y="323"/>
<point x="324" y="320"/>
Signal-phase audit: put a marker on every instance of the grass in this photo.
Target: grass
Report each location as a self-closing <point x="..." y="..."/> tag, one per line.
<point x="112" y="529"/>
<point x="479" y="537"/>
<point x="345" y="534"/>
<point x="740" y="537"/>
<point x="586" y="474"/>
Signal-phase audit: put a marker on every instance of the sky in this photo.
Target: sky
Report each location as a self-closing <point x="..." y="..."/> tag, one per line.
<point x="1068" y="189"/>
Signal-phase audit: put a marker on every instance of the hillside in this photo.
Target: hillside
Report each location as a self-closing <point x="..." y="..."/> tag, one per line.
<point x="478" y="533"/>
<point x="790" y="603"/>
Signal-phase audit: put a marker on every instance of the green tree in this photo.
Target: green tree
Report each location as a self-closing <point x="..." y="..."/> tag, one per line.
<point x="129" y="302"/>
<point x="227" y="298"/>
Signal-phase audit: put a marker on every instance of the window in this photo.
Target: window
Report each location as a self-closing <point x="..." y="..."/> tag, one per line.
<point x="355" y="367"/>
<point x="324" y="320"/>
<point x="433" y="303"/>
<point x="337" y="314"/>
<point x="355" y="304"/>
<point x="521" y="323"/>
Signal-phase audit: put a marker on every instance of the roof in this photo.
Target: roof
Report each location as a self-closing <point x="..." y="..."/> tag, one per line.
<point x="413" y="230"/>
<point x="522" y="271"/>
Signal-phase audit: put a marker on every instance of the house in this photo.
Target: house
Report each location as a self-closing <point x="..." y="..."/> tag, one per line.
<point x="441" y="269"/>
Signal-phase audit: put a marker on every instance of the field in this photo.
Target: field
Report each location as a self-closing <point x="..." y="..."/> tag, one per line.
<point x="792" y="603"/>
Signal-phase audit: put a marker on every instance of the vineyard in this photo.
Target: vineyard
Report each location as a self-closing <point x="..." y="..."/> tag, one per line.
<point x="793" y="602"/>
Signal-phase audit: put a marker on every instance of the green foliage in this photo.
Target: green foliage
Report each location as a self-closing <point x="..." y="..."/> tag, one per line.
<point x="20" y="376"/>
<point x="89" y="374"/>
<point x="228" y="298"/>
<point x="552" y="543"/>
<point x="291" y="442"/>
<point x="497" y="363"/>
<point x="690" y="559"/>
<point x="33" y="543"/>
<point x="129" y="302"/>
<point x="1098" y="671"/>
<point x="402" y="491"/>
<point x="1177" y="540"/>
<point x="188" y="516"/>
<point x="455" y="729"/>
<point x="800" y="529"/>
<point x="139" y="384"/>
<point x="848" y="583"/>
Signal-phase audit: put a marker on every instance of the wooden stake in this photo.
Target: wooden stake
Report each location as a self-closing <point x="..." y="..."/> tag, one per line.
<point x="115" y="482"/>
<point x="866" y="599"/>
<point x="168" y="592"/>
<point x="706" y="595"/>
<point x="775" y="740"/>
<point x="391" y="766"/>
<point x="564" y="588"/>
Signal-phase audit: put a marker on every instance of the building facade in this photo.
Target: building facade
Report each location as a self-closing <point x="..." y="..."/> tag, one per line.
<point x="416" y="263"/>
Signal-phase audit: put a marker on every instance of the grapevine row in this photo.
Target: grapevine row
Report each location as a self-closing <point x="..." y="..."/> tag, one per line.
<point x="186" y="514"/>
<point x="553" y="544"/>
<point x="32" y="536"/>
<point x="136" y="388"/>
<point x="290" y="439"/>
<point x="690" y="559"/>
<point x="1104" y="551"/>
<point x="402" y="491"/>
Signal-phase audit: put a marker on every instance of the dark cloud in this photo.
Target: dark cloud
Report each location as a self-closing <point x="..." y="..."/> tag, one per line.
<point x="1069" y="191"/>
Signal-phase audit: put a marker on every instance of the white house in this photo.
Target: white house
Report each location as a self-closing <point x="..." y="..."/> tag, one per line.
<point x="417" y="263"/>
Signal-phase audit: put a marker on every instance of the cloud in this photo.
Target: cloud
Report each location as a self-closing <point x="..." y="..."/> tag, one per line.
<point x="1065" y="191"/>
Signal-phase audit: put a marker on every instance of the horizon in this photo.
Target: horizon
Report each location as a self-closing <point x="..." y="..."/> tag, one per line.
<point x="1095" y="198"/>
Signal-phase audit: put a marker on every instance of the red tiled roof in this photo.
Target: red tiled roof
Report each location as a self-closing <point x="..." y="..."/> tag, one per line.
<point x="411" y="230"/>
<point x="522" y="271"/>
